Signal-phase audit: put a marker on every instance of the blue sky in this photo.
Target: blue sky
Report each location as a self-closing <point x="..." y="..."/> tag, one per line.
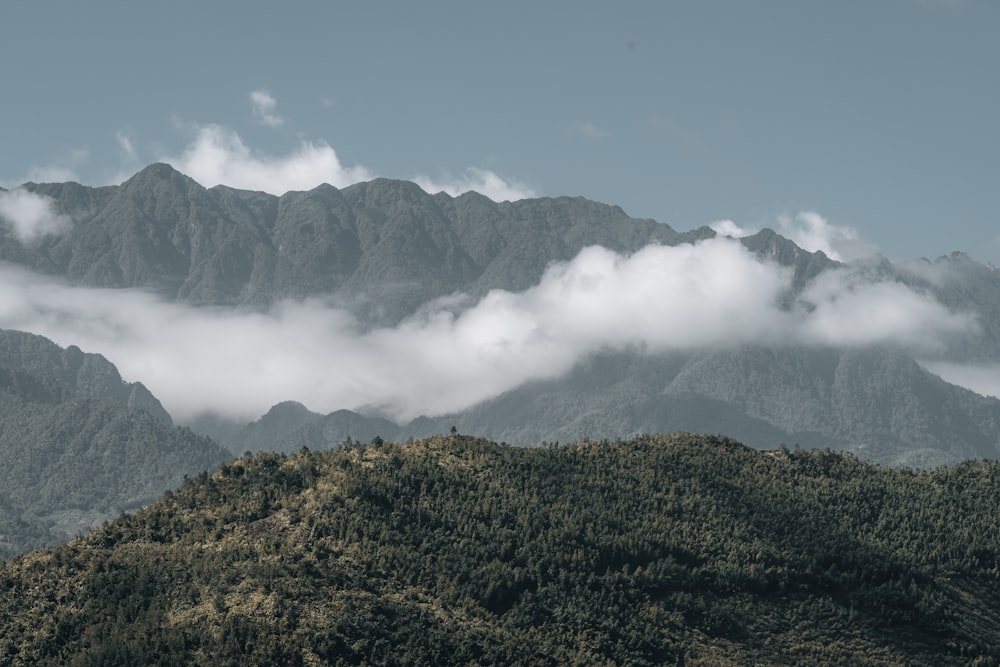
<point x="876" y="116"/>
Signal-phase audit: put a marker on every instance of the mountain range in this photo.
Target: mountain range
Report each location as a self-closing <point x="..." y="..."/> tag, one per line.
<point x="382" y="250"/>
<point x="383" y="247"/>
<point x="236" y="541"/>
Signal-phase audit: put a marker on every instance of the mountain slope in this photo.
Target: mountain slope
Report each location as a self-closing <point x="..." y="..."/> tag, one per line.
<point x="660" y="550"/>
<point x="78" y="445"/>
<point x="876" y="402"/>
<point x="71" y="372"/>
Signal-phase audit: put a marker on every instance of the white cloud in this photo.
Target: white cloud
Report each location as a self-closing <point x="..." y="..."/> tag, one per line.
<point x="845" y="308"/>
<point x="30" y="215"/>
<point x="662" y="298"/>
<point x="936" y="273"/>
<point x="126" y="145"/>
<point x="483" y="181"/>
<point x="730" y="228"/>
<point x="813" y="232"/>
<point x="587" y="131"/>
<point x="265" y="108"/>
<point x="810" y="231"/>
<point x="218" y="155"/>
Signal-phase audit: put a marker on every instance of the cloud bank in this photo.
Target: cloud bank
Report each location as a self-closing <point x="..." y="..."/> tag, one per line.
<point x="660" y="299"/>
<point x="30" y="216"/>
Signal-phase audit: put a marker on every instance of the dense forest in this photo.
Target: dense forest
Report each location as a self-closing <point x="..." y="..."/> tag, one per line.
<point x="675" y="549"/>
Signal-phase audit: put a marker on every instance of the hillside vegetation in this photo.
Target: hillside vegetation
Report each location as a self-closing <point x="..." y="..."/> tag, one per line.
<point x="78" y="445"/>
<point x="453" y="550"/>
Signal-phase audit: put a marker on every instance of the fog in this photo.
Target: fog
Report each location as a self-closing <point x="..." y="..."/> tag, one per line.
<point x="30" y="216"/>
<point x="448" y="357"/>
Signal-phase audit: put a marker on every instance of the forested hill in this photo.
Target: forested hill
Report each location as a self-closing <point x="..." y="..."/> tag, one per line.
<point x="660" y="550"/>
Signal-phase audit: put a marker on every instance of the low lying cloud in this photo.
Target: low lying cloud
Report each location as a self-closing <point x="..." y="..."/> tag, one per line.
<point x="842" y="307"/>
<point x="936" y="273"/>
<point x="810" y="231"/>
<point x="218" y="156"/>
<point x="30" y="216"/>
<point x="449" y="357"/>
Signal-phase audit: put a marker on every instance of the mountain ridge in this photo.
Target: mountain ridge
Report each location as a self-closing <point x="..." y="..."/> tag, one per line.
<point x="382" y="249"/>
<point x="162" y="230"/>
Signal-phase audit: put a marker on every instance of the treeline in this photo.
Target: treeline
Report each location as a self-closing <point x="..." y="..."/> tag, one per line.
<point x="661" y="550"/>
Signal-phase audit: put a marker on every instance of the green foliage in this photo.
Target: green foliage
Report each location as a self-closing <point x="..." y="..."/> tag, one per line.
<point x="660" y="550"/>
<point x="67" y="465"/>
<point x="79" y="445"/>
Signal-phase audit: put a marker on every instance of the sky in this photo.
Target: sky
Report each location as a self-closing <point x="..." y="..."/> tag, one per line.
<point x="877" y="117"/>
